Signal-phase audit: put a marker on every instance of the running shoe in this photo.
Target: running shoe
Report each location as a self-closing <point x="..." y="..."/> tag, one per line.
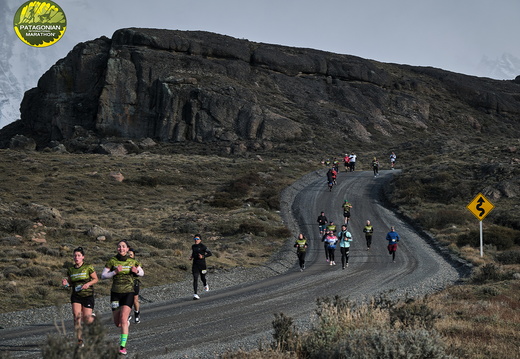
<point x="206" y="288"/>
<point x="333" y="263"/>
<point x="330" y="263"/>
<point x="80" y="343"/>
<point x="196" y="296"/>
<point x="122" y="351"/>
<point x="137" y="320"/>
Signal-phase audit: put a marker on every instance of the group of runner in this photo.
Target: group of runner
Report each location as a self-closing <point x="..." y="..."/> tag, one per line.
<point x="331" y="239"/>
<point x="349" y="161"/>
<point x="125" y="271"/>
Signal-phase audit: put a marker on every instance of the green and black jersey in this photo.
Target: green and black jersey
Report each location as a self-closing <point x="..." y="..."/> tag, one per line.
<point x="369" y="230"/>
<point x="301" y="245"/>
<point x="123" y="282"/>
<point x="80" y="276"/>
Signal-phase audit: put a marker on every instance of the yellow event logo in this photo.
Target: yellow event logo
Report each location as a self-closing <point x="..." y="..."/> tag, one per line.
<point x="40" y="23"/>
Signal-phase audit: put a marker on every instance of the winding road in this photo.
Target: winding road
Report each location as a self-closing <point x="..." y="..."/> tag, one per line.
<point x="241" y="315"/>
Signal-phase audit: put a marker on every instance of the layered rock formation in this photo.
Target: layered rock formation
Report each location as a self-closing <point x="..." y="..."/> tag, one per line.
<point x="197" y="86"/>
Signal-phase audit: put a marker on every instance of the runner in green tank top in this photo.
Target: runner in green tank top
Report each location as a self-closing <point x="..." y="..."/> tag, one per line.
<point x="122" y="269"/>
<point x="301" y="250"/>
<point x="81" y="277"/>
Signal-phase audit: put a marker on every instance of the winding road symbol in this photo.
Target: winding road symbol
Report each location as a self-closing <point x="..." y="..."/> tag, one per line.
<point x="480" y="206"/>
<point x="480" y="202"/>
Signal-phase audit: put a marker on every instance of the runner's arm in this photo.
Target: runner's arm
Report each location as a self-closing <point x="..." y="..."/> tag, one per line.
<point x="107" y="274"/>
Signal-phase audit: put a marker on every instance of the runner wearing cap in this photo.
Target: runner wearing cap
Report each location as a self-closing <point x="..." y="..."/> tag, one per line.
<point x="199" y="253"/>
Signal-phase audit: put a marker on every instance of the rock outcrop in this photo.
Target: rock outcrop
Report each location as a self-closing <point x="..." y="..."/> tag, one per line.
<point x="178" y="86"/>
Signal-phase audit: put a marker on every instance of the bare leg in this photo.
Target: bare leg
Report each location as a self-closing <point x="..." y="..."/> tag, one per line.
<point x="136" y="303"/>
<point x="76" y="312"/>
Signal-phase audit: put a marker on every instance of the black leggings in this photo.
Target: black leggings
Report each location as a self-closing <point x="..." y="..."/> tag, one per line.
<point x="301" y="258"/>
<point x="198" y="270"/>
<point x="369" y="241"/>
<point x="331" y="253"/>
<point x="326" y="246"/>
<point x="344" y="255"/>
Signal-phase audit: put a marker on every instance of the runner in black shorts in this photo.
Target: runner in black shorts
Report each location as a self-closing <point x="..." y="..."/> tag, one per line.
<point x="346" y="211"/>
<point x="81" y="277"/>
<point x="122" y="269"/>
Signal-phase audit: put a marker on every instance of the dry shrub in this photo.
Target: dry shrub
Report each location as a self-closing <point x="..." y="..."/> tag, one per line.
<point x="442" y="217"/>
<point x="30" y="254"/>
<point x="224" y="200"/>
<point x="413" y="314"/>
<point x="471" y="238"/>
<point x="48" y="251"/>
<point x="253" y="227"/>
<point x="509" y="257"/>
<point x="284" y="335"/>
<point x="20" y="226"/>
<point x="280" y="232"/>
<point x="501" y="237"/>
<point x="489" y="273"/>
<point x="260" y="354"/>
<point x="379" y="329"/>
<point x="161" y="243"/>
<point x="96" y="345"/>
<point x="34" y="271"/>
<point x="269" y="198"/>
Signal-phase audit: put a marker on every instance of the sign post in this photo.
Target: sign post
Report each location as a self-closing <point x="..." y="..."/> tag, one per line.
<point x="480" y="207"/>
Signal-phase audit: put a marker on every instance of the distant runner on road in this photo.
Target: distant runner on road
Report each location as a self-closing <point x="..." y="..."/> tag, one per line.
<point x="199" y="253"/>
<point x="369" y="231"/>
<point x="330" y="241"/>
<point x="301" y="250"/>
<point x="393" y="158"/>
<point x="344" y="245"/>
<point x="346" y="211"/>
<point x="392" y="237"/>
<point x="375" y="166"/>
<point x="322" y="223"/>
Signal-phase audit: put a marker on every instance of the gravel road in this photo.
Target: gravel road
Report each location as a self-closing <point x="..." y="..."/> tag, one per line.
<point x="238" y="310"/>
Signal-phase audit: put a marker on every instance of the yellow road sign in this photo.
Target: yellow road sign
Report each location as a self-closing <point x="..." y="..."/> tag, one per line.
<point x="480" y="206"/>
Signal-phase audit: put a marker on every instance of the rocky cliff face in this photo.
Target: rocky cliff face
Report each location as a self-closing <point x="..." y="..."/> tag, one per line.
<point x="197" y="86"/>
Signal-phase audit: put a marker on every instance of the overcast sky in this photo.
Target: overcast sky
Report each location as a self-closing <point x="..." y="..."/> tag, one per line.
<point x="449" y="34"/>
